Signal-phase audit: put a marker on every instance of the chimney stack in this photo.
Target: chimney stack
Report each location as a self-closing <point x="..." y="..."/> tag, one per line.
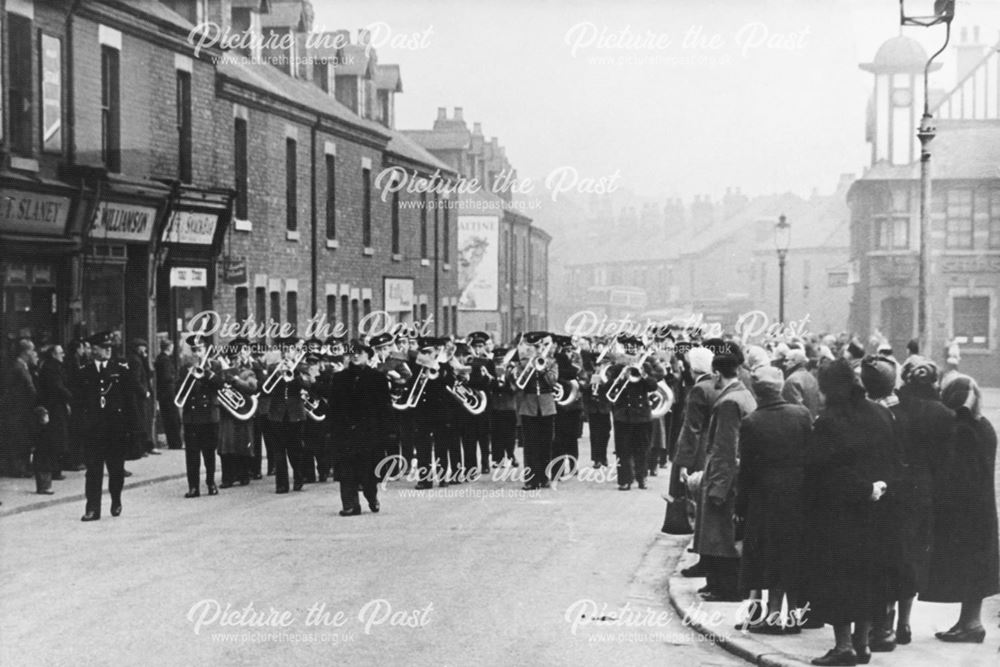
<point x="364" y="36"/>
<point x="968" y="54"/>
<point x="458" y="113"/>
<point x="442" y="113"/>
<point x="477" y="128"/>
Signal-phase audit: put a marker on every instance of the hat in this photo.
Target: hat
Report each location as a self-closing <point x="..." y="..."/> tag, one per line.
<point x="430" y="341"/>
<point x="884" y="346"/>
<point x="626" y="339"/>
<point x="314" y="343"/>
<point x="562" y="340"/>
<point x="878" y="375"/>
<point x="196" y="340"/>
<point x="357" y="347"/>
<point x="102" y="339"/>
<point x="462" y="349"/>
<point x="726" y="351"/>
<point x="533" y="337"/>
<point x="768" y="379"/>
<point x="286" y="341"/>
<point x="500" y="352"/>
<point x="313" y="358"/>
<point x="756" y="357"/>
<point x="138" y="342"/>
<point x="478" y="338"/>
<point x="962" y="395"/>
<point x="855" y="350"/>
<point x="700" y="359"/>
<point x="382" y="340"/>
<point x="796" y="356"/>
<point x="839" y="383"/>
<point x="919" y="370"/>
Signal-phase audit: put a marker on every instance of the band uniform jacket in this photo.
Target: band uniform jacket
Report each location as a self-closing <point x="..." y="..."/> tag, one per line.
<point x="535" y="400"/>
<point x="633" y="406"/>
<point x="594" y="402"/>
<point x="359" y="400"/>
<point x="569" y="369"/>
<point x="236" y="435"/>
<point x="693" y="439"/>
<point x="106" y="398"/>
<point x="286" y="398"/>
<point x="396" y="364"/>
<point x="502" y="393"/>
<point x="202" y="405"/>
<point x="436" y="403"/>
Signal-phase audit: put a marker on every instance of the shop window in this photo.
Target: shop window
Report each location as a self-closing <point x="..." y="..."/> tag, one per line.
<point x="276" y="307"/>
<point x="184" y="126"/>
<point x="291" y="186"/>
<point x="366" y="307"/>
<point x="260" y="305"/>
<point x="292" y="306"/>
<point x="242" y="304"/>
<point x="971" y="320"/>
<point x="395" y="223"/>
<point x="892" y="222"/>
<point x="240" y="158"/>
<point x="958" y="220"/>
<point x="423" y="225"/>
<point x="22" y="84"/>
<point x="366" y="212"/>
<point x="331" y="197"/>
<point x="110" y="109"/>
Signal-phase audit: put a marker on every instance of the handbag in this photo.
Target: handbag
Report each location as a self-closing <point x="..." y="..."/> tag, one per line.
<point x="677" y="520"/>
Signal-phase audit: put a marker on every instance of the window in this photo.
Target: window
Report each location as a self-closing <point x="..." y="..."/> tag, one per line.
<point x="260" y="305"/>
<point x="454" y="317"/>
<point x="416" y="313"/>
<point x="366" y="307"/>
<point x="321" y="75"/>
<point x="423" y="313"/>
<point x="292" y="306"/>
<point x="331" y="197"/>
<point x="51" y="56"/>
<point x="958" y="218"/>
<point x="446" y="231"/>
<point x="355" y="317"/>
<point x="291" y="186"/>
<point x="836" y="279"/>
<point x="971" y="320"/>
<point x="444" y="321"/>
<point x="344" y="311"/>
<point x="331" y="309"/>
<point x="242" y="303"/>
<point x="994" y="199"/>
<point x="423" y="225"/>
<point x="395" y="223"/>
<point x="184" y="126"/>
<point x="366" y="213"/>
<point x="110" y="109"/>
<point x="240" y="158"/>
<point x="276" y="307"/>
<point x="22" y="85"/>
<point x="892" y="223"/>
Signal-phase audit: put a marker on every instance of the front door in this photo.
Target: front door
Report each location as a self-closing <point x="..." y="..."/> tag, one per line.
<point x="897" y="323"/>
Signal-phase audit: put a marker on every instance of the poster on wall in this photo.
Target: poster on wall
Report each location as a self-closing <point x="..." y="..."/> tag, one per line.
<point x="478" y="262"/>
<point x="399" y="295"/>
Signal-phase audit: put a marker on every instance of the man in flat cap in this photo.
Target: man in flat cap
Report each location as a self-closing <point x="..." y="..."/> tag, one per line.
<point x="106" y="391"/>
<point x="359" y="401"/>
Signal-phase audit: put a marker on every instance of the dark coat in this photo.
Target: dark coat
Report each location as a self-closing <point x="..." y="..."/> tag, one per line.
<point x="359" y="401"/>
<point x="55" y="396"/>
<point x="106" y="426"/>
<point x="693" y="439"/>
<point x="965" y="562"/>
<point x="18" y="398"/>
<point x="633" y="406"/>
<point x="802" y="388"/>
<point x="535" y="400"/>
<point x="715" y="533"/>
<point x="773" y="443"/>
<point x="851" y="449"/>
<point x="285" y="400"/>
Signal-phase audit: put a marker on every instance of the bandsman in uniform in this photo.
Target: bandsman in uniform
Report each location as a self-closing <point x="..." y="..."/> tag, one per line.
<point x="502" y="410"/>
<point x="595" y="403"/>
<point x="392" y="364"/>
<point x="435" y="436"/>
<point x="535" y="404"/>
<point x="286" y="379"/>
<point x="105" y="391"/>
<point x="260" y="437"/>
<point x="359" y="401"/>
<point x="569" y="419"/>
<point x="200" y="413"/>
<point x="236" y="435"/>
<point x="632" y="411"/>
<point x="482" y="377"/>
<point x="315" y="432"/>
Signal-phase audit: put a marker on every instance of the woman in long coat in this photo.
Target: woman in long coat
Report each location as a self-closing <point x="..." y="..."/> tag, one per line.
<point x="849" y="460"/>
<point x="773" y="443"/>
<point x="965" y="566"/>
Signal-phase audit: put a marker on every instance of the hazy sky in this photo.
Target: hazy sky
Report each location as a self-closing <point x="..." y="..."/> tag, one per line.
<point x="768" y="97"/>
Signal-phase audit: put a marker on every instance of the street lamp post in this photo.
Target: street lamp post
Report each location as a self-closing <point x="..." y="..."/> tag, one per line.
<point x="782" y="239"/>
<point x="926" y="13"/>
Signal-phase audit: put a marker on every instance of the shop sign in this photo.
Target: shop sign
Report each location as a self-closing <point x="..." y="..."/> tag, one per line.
<point x="123" y="222"/>
<point x="33" y="213"/>
<point x="191" y="227"/>
<point x="234" y="270"/>
<point x="182" y="276"/>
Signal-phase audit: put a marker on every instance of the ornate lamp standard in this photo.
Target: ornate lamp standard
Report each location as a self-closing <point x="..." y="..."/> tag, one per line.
<point x="926" y="13"/>
<point x="782" y="239"/>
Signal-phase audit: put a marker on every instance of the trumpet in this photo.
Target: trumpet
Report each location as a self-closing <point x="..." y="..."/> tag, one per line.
<point x="315" y="406"/>
<point x="412" y="399"/>
<point x="473" y="400"/>
<point x="628" y="375"/>
<point x="194" y="374"/>
<point x="236" y="403"/>
<point x="537" y="364"/>
<point x="285" y="370"/>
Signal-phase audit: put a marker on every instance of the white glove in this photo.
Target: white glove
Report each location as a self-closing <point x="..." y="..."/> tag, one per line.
<point x="878" y="490"/>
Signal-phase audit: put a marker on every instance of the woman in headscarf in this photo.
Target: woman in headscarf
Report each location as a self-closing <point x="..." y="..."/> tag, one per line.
<point x="848" y="464"/>
<point x="965" y="566"/>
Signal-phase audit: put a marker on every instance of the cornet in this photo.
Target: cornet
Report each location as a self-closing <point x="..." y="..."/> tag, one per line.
<point x="194" y="374"/>
<point x="285" y="370"/>
<point x="628" y="375"/>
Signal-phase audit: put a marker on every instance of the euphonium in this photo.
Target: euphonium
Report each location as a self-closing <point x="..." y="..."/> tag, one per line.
<point x="236" y="403"/>
<point x="284" y="370"/>
<point x="629" y="374"/>
<point x="565" y="393"/>
<point x="473" y="400"/>
<point x="194" y="374"/>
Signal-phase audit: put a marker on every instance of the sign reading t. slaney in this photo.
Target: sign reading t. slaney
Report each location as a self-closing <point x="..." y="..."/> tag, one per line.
<point x="124" y="222"/>
<point x="191" y="227"/>
<point x="33" y="213"/>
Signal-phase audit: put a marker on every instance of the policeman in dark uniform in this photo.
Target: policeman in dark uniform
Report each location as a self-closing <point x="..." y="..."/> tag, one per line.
<point x="105" y="394"/>
<point x="535" y="404"/>
<point x="200" y="413"/>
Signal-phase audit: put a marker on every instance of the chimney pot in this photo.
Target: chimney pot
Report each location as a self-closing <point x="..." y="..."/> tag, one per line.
<point x="975" y="34"/>
<point x="458" y="113"/>
<point x="364" y="36"/>
<point x="442" y="113"/>
<point x="477" y="128"/>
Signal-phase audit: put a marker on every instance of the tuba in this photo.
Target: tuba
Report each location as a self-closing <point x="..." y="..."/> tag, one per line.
<point x="285" y="370"/>
<point x="194" y="374"/>
<point x="628" y="375"/>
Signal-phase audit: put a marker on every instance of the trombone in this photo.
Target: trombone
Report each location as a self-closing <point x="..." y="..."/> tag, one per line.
<point x="284" y="370"/>
<point x="194" y="374"/>
<point x="412" y="399"/>
<point x="628" y="375"/>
